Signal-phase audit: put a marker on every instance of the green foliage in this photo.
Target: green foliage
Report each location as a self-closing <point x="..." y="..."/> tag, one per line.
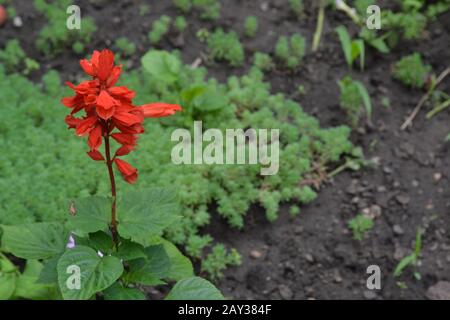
<point x="180" y="23"/>
<point x="183" y="5"/>
<point x="360" y="225"/>
<point x="251" y="26"/>
<point x="125" y="47"/>
<point x="411" y="259"/>
<point x="160" y="28"/>
<point x="210" y="9"/>
<point x="290" y="50"/>
<point x="15" y="59"/>
<point x="219" y="259"/>
<point x="297" y="7"/>
<point x="352" y="48"/>
<point x="226" y="46"/>
<point x="411" y="71"/>
<point x="194" y="288"/>
<point x="354" y="96"/>
<point x="144" y="9"/>
<point x="17" y="285"/>
<point x="263" y="61"/>
<point x="54" y="36"/>
<point x="94" y="263"/>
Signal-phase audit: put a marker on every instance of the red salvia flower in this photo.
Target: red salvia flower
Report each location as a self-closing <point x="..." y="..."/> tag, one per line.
<point x="109" y="112"/>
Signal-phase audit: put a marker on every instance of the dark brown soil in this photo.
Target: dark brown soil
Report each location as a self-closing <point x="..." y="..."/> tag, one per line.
<point x="314" y="255"/>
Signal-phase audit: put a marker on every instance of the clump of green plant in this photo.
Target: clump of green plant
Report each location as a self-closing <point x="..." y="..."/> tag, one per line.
<point x="180" y="24"/>
<point x="183" y="5"/>
<point x="290" y="50"/>
<point x="226" y="46"/>
<point x="411" y="71"/>
<point x="263" y="61"/>
<point x="210" y="9"/>
<point x="125" y="47"/>
<point x="160" y="28"/>
<point x="202" y="34"/>
<point x="218" y="260"/>
<point x="408" y="22"/>
<point x="352" y="48"/>
<point x="359" y="226"/>
<point x="54" y="36"/>
<point x="411" y="259"/>
<point x="297" y="7"/>
<point x="144" y="9"/>
<point x="251" y="26"/>
<point x="354" y="96"/>
<point x="15" y="59"/>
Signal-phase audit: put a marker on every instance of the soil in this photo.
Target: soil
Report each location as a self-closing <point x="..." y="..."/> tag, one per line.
<point x="314" y="256"/>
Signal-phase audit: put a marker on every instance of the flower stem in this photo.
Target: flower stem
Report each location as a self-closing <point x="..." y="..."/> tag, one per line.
<point x="112" y="179"/>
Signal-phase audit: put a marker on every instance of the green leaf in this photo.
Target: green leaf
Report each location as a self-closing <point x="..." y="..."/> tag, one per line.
<point x="143" y="215"/>
<point x="96" y="274"/>
<point x="35" y="241"/>
<point x="49" y="274"/>
<point x="162" y="65"/>
<point x="366" y="98"/>
<point x="27" y="286"/>
<point x="447" y="138"/>
<point x="346" y="43"/>
<point x="194" y="288"/>
<point x="361" y="52"/>
<point x="380" y="45"/>
<point x="406" y="261"/>
<point x="130" y="251"/>
<point x="8" y="276"/>
<point x="118" y="292"/>
<point x="92" y="214"/>
<point x="180" y="266"/>
<point x="152" y="269"/>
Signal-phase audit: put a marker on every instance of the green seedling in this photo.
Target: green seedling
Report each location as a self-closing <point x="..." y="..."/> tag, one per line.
<point x="412" y="259"/>
<point x="354" y="96"/>
<point x="411" y="71"/>
<point x="251" y="26"/>
<point x="359" y="226"/>
<point x="352" y="48"/>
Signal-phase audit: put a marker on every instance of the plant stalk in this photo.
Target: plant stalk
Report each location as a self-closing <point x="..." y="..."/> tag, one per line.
<point x="109" y="164"/>
<point x="319" y="27"/>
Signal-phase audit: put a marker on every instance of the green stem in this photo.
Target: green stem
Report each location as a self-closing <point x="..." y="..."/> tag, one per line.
<point x="438" y="109"/>
<point x="319" y="27"/>
<point x="109" y="164"/>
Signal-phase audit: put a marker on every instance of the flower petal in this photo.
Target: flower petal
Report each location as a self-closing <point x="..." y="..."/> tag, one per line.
<point x="96" y="155"/>
<point x="105" y="64"/>
<point x="95" y="137"/>
<point x="129" y="173"/>
<point x="159" y="109"/>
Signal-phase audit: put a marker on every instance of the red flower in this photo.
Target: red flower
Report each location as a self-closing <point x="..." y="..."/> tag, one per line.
<point x="128" y="172"/>
<point x="109" y="112"/>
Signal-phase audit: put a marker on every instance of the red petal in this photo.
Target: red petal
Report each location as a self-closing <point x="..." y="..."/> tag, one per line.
<point x="95" y="138"/>
<point x="122" y="92"/>
<point x="86" y="125"/>
<point x="96" y="155"/>
<point x="124" y="150"/>
<point x="105" y="64"/>
<point x="123" y="138"/>
<point x="87" y="67"/>
<point x="105" y="114"/>
<point x="128" y="172"/>
<point x="72" y="122"/>
<point x="114" y="77"/>
<point x="127" y="118"/>
<point x="159" y="109"/>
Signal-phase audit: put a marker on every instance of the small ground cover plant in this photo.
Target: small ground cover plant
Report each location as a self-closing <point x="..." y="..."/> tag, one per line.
<point x="354" y="99"/>
<point x="55" y="37"/>
<point x="226" y="46"/>
<point x="109" y="245"/>
<point x="411" y="71"/>
<point x="352" y="48"/>
<point x="411" y="259"/>
<point x="291" y="50"/>
<point x="359" y="226"/>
